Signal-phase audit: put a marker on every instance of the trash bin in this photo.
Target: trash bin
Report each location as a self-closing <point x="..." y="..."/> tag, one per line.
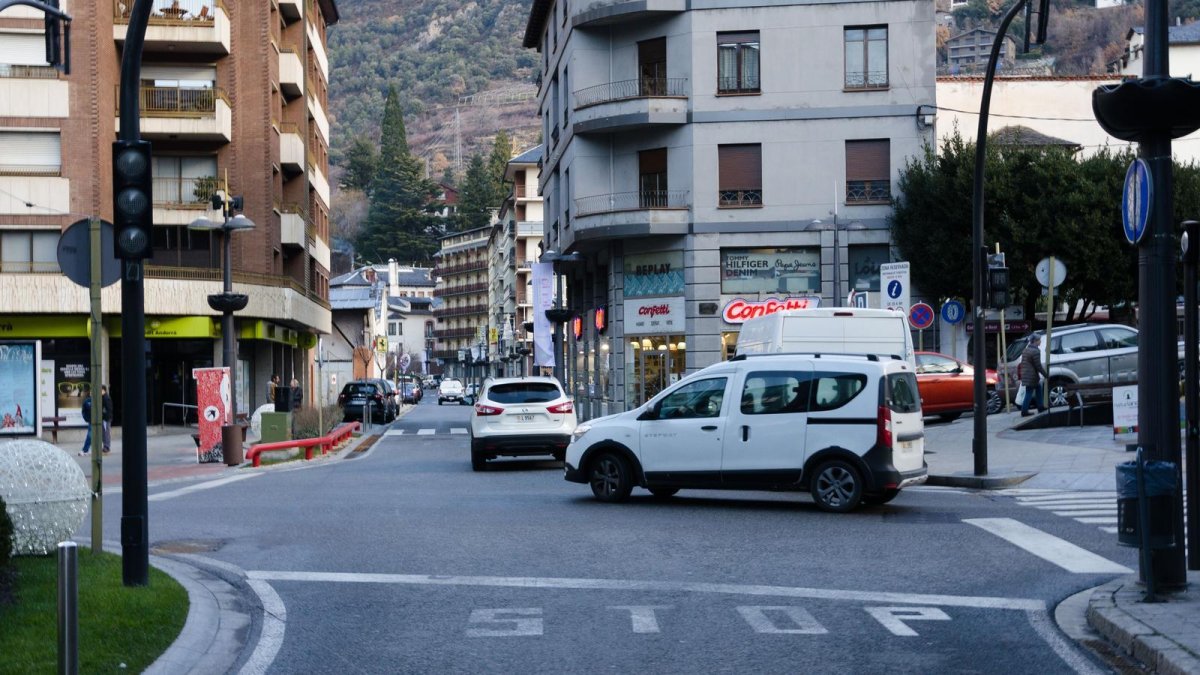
<point x="231" y="444"/>
<point x="1160" y="486"/>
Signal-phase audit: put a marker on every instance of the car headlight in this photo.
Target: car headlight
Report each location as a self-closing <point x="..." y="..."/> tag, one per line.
<point x="580" y="431"/>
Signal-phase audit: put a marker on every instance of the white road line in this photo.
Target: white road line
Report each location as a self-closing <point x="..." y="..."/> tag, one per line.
<point x="393" y="432"/>
<point x="1110" y="530"/>
<point x="1097" y="512"/>
<point x="426" y="432"/>
<point x="976" y="602"/>
<point x="1068" y="496"/>
<point x="160" y="496"/>
<point x="1107" y="520"/>
<point x="1048" y="547"/>
<point x="458" y="430"/>
<point x="270" y="638"/>
<point x="1072" y="502"/>
<point x="1049" y="632"/>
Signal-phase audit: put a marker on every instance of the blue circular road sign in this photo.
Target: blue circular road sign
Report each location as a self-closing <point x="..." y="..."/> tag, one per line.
<point x="953" y="311"/>
<point x="894" y="289"/>
<point x="1136" y="200"/>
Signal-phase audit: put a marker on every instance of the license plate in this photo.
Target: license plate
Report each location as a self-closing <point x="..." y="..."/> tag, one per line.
<point x="907" y="445"/>
<point x="524" y="418"/>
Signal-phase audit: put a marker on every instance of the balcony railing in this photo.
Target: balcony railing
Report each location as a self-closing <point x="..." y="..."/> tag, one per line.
<point x="632" y="201"/>
<point x="461" y="289"/>
<point x="464" y="310"/>
<point x="455" y="333"/>
<point x="18" y="72"/>
<point x="460" y="269"/>
<point x="178" y="101"/>
<point x="28" y="267"/>
<point x="744" y="197"/>
<point x="446" y="354"/>
<point x="184" y="192"/>
<point x="868" y="191"/>
<point x="872" y="79"/>
<point x="171" y="11"/>
<point x="647" y="87"/>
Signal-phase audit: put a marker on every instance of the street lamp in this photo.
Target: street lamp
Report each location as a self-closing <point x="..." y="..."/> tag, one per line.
<point x="559" y="314"/>
<point x="820" y="226"/>
<point x="227" y="302"/>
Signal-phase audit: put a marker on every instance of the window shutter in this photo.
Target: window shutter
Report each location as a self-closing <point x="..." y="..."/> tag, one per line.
<point x="181" y="73"/>
<point x="652" y="161"/>
<point x="23" y="49"/>
<point x="30" y="151"/>
<point x="739" y="167"/>
<point x="868" y="160"/>
<point x="652" y="51"/>
<point x="737" y="38"/>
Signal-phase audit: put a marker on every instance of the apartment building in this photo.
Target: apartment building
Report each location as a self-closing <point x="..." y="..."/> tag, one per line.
<point x="230" y="92"/>
<point x="513" y="246"/>
<point x="705" y="157"/>
<point x="461" y="275"/>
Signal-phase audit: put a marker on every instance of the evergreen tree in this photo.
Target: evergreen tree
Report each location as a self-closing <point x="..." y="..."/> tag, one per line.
<point x="399" y="224"/>
<point x="448" y="177"/>
<point x="475" y="195"/>
<point x="497" y="164"/>
<point x="362" y="163"/>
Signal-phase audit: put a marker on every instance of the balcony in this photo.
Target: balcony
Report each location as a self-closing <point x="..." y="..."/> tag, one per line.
<point x="32" y="91"/>
<point x="291" y="73"/>
<point x="180" y="200"/>
<point x="461" y="289"/>
<point x="183" y="113"/>
<point x="607" y="12"/>
<point x="624" y="214"/>
<point x="460" y="269"/>
<point x="291" y="149"/>
<point x="179" y="26"/>
<point x="455" y="333"/>
<point x="462" y="310"/>
<point x="291" y="10"/>
<point x="631" y="104"/>
<point x="291" y="226"/>
<point x="318" y="182"/>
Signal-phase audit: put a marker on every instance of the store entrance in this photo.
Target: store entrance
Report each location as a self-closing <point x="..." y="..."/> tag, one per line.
<point x="652" y="364"/>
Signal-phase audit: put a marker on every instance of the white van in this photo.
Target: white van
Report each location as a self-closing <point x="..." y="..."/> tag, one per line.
<point x="847" y="428"/>
<point x="835" y="330"/>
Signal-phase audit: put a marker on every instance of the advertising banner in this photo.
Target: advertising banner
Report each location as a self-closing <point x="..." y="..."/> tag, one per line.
<point x="739" y="310"/>
<point x="770" y="270"/>
<point x="72" y="384"/>
<point x="653" y="274"/>
<point x="212" y="399"/>
<point x="46" y="390"/>
<point x="543" y="299"/>
<point x="1125" y="409"/>
<point x="652" y="316"/>
<point x="18" y="388"/>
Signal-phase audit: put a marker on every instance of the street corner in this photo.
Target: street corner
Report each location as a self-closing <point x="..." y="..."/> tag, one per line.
<point x="1164" y="636"/>
<point x="993" y="481"/>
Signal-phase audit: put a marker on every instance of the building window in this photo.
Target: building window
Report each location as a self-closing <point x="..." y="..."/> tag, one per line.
<point x="739" y="180"/>
<point x="395" y="329"/>
<point x="737" y="63"/>
<point x="30" y="153"/>
<point x="864" y="266"/>
<point x="29" y="251"/>
<point x="868" y="171"/>
<point x="866" y="57"/>
<point x="652" y="178"/>
<point x="184" y="181"/>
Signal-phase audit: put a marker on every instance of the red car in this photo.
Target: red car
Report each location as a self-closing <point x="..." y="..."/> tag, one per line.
<point x="947" y="386"/>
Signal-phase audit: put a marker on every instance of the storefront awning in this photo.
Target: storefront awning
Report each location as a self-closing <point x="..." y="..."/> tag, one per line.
<point x="43" y="326"/>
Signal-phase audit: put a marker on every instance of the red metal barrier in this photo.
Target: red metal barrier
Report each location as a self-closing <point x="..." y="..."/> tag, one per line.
<point x="326" y="443"/>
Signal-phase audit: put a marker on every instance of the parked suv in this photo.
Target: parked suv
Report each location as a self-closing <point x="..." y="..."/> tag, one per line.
<point x="520" y="416"/>
<point x="360" y="395"/>
<point x="1082" y="354"/>
<point x="450" y="390"/>
<point x="847" y="428"/>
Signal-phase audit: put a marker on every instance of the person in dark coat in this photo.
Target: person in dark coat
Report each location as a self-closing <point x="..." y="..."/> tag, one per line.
<point x="1032" y="371"/>
<point x="106" y="417"/>
<point x="297" y="394"/>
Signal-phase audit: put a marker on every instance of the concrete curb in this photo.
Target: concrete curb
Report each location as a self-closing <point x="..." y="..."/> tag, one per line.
<point x="1144" y="643"/>
<point x="994" y="481"/>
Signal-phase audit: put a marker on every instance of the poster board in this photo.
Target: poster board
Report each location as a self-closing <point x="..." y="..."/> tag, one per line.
<point x="212" y="401"/>
<point x="20" y="412"/>
<point x="1125" y="409"/>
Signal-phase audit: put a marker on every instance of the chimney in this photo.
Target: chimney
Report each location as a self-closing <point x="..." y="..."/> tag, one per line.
<point x="393" y="278"/>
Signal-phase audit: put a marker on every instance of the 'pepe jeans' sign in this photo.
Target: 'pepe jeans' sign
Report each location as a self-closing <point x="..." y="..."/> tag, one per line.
<point x="651" y="316"/>
<point x="739" y="310"/>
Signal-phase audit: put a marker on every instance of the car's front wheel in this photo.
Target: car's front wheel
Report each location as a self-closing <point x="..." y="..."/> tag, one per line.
<point x="837" y="486"/>
<point x="610" y="478"/>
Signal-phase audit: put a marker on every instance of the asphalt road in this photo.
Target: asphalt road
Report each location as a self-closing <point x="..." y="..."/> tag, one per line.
<point x="404" y="560"/>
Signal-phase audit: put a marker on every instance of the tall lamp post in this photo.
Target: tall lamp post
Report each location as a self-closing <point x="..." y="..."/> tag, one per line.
<point x="559" y="314"/>
<point x="227" y="302"/>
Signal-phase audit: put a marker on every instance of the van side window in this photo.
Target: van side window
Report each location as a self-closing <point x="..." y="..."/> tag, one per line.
<point x="834" y="390"/>
<point x="772" y="392"/>
<point x="902" y="395"/>
<point x="696" y="399"/>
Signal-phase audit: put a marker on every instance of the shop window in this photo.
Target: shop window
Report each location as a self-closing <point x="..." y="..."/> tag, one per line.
<point x="739" y="169"/>
<point x="864" y="266"/>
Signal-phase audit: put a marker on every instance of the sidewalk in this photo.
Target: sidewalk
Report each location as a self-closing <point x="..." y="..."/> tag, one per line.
<point x="170" y="455"/>
<point x="1164" y="636"/>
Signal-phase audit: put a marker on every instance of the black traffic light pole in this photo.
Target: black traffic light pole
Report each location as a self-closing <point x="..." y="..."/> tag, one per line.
<point x="1191" y="373"/>
<point x="132" y="213"/>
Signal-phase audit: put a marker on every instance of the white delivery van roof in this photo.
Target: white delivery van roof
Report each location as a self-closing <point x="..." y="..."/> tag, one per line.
<point x="847" y="330"/>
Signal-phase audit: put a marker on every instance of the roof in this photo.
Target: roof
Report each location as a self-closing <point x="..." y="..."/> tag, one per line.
<point x="530" y="156"/>
<point x="1176" y="35"/>
<point x="1024" y="136"/>
<point x="405" y="276"/>
<point x="537" y="20"/>
<point x="351" y="297"/>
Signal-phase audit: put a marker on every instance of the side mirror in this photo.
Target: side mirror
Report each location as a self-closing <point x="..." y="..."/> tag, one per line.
<point x="957" y="370"/>
<point x="650" y="413"/>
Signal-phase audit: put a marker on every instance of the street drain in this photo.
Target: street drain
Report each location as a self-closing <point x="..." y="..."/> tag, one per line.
<point x="189" y="546"/>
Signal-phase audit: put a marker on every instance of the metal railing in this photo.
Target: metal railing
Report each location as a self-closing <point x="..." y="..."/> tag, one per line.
<point x="461" y="289"/>
<point x="171" y="11"/>
<point x="738" y="85"/>
<point x="451" y="333"/>
<point x="18" y="72"/>
<point x="185" y="192"/>
<point x="465" y="310"/>
<point x="744" y="197"/>
<point x="28" y="267"/>
<point x="868" y="190"/>
<point x="178" y="101"/>
<point x="646" y="87"/>
<point x="632" y="201"/>
<point x="870" y="79"/>
<point x="461" y="269"/>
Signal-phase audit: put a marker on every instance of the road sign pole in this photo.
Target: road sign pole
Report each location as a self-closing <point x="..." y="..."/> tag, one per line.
<point x="1049" y="330"/>
<point x="97" y="422"/>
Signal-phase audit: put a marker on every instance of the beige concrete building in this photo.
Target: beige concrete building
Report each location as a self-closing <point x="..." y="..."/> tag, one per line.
<point x="513" y="246"/>
<point x="462" y="286"/>
<point x="234" y="91"/>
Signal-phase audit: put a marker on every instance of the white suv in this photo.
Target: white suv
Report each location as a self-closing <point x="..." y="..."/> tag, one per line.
<point x="519" y="416"/>
<point x="848" y="428"/>
<point x="450" y="390"/>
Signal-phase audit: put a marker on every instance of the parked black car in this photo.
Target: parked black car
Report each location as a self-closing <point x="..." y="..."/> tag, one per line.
<point x="356" y="396"/>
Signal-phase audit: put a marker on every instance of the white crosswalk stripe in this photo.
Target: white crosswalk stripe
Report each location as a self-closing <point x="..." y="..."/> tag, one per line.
<point x="454" y="431"/>
<point x="1087" y="507"/>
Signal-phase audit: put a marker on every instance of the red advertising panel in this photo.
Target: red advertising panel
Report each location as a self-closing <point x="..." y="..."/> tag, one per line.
<point x="212" y="399"/>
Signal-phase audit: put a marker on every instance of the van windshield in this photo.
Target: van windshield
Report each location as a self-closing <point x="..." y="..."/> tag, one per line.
<point x="902" y="393"/>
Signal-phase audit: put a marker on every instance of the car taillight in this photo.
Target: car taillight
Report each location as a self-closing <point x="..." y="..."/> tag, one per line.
<point x="341" y="399"/>
<point x="487" y="410"/>
<point x="883" y="429"/>
<point x="562" y="408"/>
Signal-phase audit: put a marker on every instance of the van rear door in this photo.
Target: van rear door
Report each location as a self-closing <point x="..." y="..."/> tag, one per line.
<point x="903" y="403"/>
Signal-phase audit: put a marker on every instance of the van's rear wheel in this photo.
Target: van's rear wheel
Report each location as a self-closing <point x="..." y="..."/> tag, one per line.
<point x="837" y="486"/>
<point x="880" y="497"/>
<point x="610" y="478"/>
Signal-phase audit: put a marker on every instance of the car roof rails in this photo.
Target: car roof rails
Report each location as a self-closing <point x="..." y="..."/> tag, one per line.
<point x="869" y="357"/>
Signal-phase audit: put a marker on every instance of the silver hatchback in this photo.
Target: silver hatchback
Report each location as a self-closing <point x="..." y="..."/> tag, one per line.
<point x="1082" y="354"/>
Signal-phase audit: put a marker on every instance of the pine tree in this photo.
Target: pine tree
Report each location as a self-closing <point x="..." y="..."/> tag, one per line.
<point x="362" y="163"/>
<point x="475" y="195"/>
<point x="497" y="164"/>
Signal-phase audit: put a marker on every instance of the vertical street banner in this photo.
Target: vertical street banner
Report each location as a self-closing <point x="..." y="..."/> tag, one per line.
<point x="19" y="388"/>
<point x="212" y="399"/>
<point x="73" y="384"/>
<point x="543" y="299"/>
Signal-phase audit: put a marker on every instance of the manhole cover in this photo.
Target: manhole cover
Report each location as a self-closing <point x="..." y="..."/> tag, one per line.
<point x="189" y="546"/>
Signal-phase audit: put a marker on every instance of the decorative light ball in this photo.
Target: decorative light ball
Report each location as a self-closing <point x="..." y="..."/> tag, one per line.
<point x="46" y="492"/>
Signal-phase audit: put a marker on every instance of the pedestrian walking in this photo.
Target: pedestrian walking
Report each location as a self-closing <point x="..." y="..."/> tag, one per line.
<point x="272" y="386"/>
<point x="87" y="417"/>
<point x="106" y="416"/>
<point x="1031" y="372"/>
<point x="297" y="394"/>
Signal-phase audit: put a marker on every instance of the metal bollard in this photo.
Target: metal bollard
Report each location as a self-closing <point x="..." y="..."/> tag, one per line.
<point x="68" y="608"/>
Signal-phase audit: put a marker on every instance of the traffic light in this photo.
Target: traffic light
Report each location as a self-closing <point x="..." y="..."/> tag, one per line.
<point x="133" y="200"/>
<point x="997" y="287"/>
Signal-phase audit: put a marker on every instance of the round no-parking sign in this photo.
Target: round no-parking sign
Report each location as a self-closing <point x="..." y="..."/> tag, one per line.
<point x="920" y="316"/>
